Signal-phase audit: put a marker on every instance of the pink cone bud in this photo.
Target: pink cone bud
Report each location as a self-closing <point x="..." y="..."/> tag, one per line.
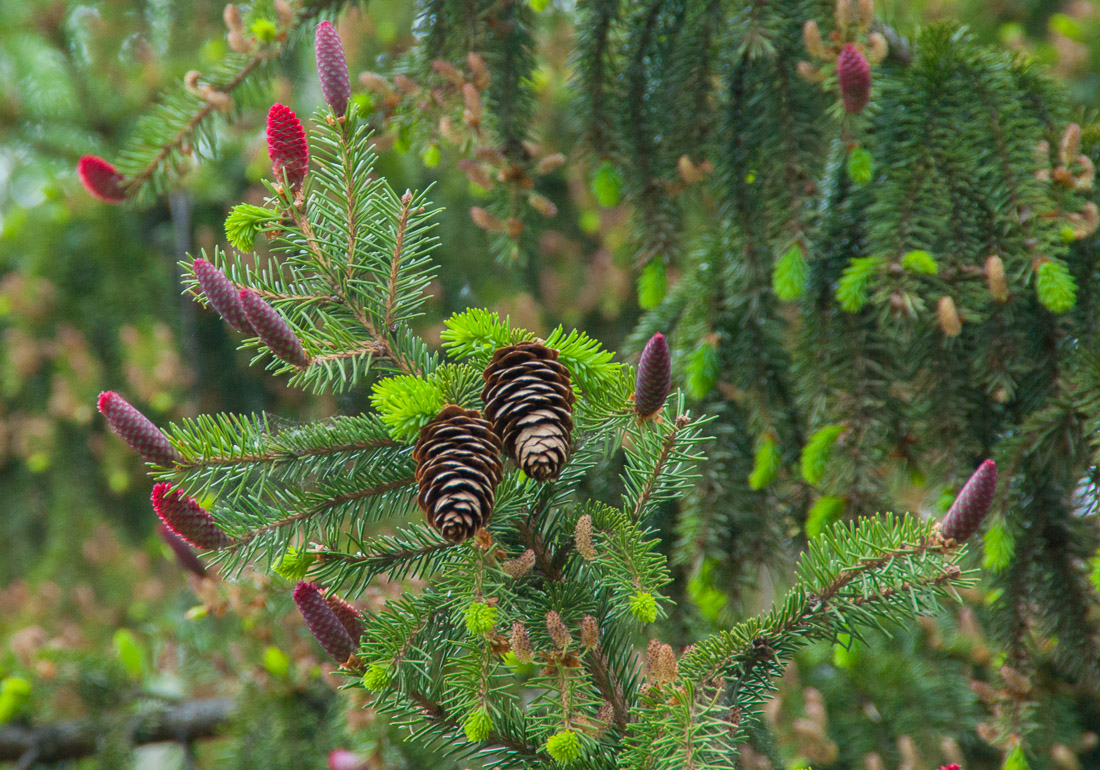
<point x="222" y="295"/>
<point x="854" y="74"/>
<point x="100" y="179"/>
<point x="322" y="622"/>
<point x="654" y="380"/>
<point x="332" y="68"/>
<point x="185" y="556"/>
<point x="972" y="505"/>
<point x="272" y="329"/>
<point x="349" y="617"/>
<point x="286" y="144"/>
<point x="137" y="430"/>
<point x="184" y="516"/>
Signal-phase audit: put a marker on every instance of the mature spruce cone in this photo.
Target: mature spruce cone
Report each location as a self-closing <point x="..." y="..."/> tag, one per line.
<point x="457" y="467"/>
<point x="529" y="399"/>
<point x="972" y="505"/>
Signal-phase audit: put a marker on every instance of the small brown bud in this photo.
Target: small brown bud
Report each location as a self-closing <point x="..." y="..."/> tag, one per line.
<point x="995" y="278"/>
<point x="543" y="205"/>
<point x="878" y="47"/>
<point x="217" y="98"/>
<point x="662" y="662"/>
<point x="811" y="36"/>
<point x="376" y="84"/>
<point x="866" y="13"/>
<point x="1090" y="216"/>
<point x="844" y="14"/>
<point x="514" y="227"/>
<point x="689" y="172"/>
<point x="490" y="155"/>
<point x="590" y="632"/>
<point x="405" y="84"/>
<point x="986" y="692"/>
<point x="448" y="72"/>
<point x="873" y="761"/>
<point x="1064" y="757"/>
<point x="557" y="630"/>
<point x="583" y="537"/>
<point x="486" y="221"/>
<point x="1087" y="175"/>
<point x="479" y="72"/>
<point x="549" y="163"/>
<point x="238" y="42"/>
<point x="1071" y="144"/>
<point x="521" y="643"/>
<point x="521" y="565"/>
<point x="284" y="13"/>
<point x="475" y="172"/>
<point x="231" y="14"/>
<point x="651" y="650"/>
<point x="448" y="131"/>
<point x="809" y="72"/>
<point x="950" y="322"/>
<point x="1015" y="681"/>
<point x="191" y="82"/>
<point x="472" y="97"/>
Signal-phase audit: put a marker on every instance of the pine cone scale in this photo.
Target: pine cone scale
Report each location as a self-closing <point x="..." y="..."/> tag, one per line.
<point x="458" y="468"/>
<point x="528" y="396"/>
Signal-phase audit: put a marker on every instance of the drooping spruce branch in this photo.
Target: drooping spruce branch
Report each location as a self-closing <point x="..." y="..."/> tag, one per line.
<point x="185" y="122"/>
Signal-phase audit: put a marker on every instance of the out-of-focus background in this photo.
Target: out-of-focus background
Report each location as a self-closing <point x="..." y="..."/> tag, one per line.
<point x="96" y="619"/>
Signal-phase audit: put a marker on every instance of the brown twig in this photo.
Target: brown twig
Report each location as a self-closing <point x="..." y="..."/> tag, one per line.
<point x="71" y="740"/>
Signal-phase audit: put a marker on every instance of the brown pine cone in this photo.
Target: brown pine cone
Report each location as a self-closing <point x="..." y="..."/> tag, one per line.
<point x="529" y="398"/>
<point x="457" y="467"/>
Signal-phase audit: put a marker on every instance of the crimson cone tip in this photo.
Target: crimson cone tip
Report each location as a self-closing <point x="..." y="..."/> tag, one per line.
<point x="101" y="179"/>
<point x="286" y="144"/>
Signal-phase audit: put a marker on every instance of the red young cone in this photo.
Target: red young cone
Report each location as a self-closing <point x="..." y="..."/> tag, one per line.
<point x="323" y="622"/>
<point x="184" y="516"/>
<point x="186" y="557"/>
<point x="272" y="329"/>
<point x="100" y="179"/>
<point x="222" y="295"/>
<point x="854" y="74"/>
<point x="972" y="505"/>
<point x="332" y="68"/>
<point x="286" y="144"/>
<point x="137" y="430"/>
<point x="654" y="379"/>
<point x="349" y="617"/>
<point x="949" y="767"/>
